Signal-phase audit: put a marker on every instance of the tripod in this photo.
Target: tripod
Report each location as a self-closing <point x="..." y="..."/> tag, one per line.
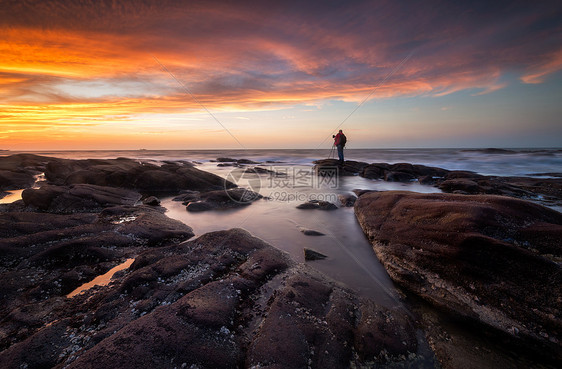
<point x="332" y="152"/>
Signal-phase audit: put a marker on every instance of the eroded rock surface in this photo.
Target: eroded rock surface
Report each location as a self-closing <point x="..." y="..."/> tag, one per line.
<point x="317" y="204"/>
<point x="219" y="199"/>
<point x="18" y="171"/>
<point x="147" y="178"/>
<point x="489" y="259"/>
<point x="226" y="299"/>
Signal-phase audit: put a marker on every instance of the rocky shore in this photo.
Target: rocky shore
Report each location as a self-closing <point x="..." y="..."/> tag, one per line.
<point x="228" y="299"/>
<point x="547" y="191"/>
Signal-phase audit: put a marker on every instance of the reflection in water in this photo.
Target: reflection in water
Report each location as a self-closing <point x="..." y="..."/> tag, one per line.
<point x="101" y="280"/>
<point x="351" y="259"/>
<point x="11" y="197"/>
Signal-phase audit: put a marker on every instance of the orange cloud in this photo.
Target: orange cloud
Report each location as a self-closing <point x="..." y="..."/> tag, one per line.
<point x="77" y="66"/>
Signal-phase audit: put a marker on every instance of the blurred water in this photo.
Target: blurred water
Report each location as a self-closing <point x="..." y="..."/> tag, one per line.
<point x="513" y="162"/>
<point x="276" y="219"/>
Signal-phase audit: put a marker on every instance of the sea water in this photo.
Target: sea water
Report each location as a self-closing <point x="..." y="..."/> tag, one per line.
<point x="505" y="162"/>
<point x="291" y="182"/>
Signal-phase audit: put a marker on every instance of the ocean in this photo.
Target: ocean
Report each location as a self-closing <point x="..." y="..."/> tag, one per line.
<point x="499" y="162"/>
<point x="276" y="219"/>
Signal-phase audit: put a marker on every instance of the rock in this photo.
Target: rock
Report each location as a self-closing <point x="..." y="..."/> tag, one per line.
<point x="392" y="176"/>
<point x="19" y="162"/>
<point x="347" y="200"/>
<point x="77" y="198"/>
<point x="226" y="160"/>
<point x="226" y="299"/>
<point x="15" y="180"/>
<point x="401" y="172"/>
<point x="187" y="196"/>
<point x="20" y="170"/>
<point x="547" y="190"/>
<point x="151" y="201"/>
<point x="360" y="192"/>
<point x="310" y="255"/>
<point x="198" y="206"/>
<point x="246" y="161"/>
<point x="317" y="204"/>
<point x="260" y="170"/>
<point x="131" y="174"/>
<point x="311" y="232"/>
<point x="223" y="199"/>
<point x="375" y="171"/>
<point x="427" y="180"/>
<point x="489" y="259"/>
<point x="354" y="167"/>
<point x="460" y="184"/>
<point x="333" y="167"/>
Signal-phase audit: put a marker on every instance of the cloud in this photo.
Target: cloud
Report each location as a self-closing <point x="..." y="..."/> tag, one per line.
<point x="91" y="60"/>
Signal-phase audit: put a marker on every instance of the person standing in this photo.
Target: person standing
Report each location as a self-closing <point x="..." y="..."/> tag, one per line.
<point x="339" y="141"/>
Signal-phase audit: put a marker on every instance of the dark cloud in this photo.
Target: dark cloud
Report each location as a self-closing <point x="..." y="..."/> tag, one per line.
<point x="341" y="48"/>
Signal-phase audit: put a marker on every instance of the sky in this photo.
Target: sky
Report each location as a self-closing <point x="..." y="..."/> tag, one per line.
<point x="159" y="74"/>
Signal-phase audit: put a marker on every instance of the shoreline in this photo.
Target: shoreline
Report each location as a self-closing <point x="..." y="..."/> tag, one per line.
<point x="95" y="205"/>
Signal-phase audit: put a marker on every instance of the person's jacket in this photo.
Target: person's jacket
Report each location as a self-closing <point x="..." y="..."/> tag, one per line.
<point x="337" y="140"/>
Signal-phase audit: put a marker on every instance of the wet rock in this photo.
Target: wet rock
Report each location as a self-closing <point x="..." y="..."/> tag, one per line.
<point x="18" y="171"/>
<point x="546" y="190"/>
<point x="463" y="185"/>
<point x="226" y="299"/>
<point x="127" y="173"/>
<point x="427" y="180"/>
<point x="77" y="198"/>
<point x="15" y="180"/>
<point x="375" y="171"/>
<point x="260" y="170"/>
<point x="401" y="172"/>
<point x="222" y="165"/>
<point x="317" y="204"/>
<point x="310" y="255"/>
<point x="246" y="161"/>
<point x="311" y="232"/>
<point x="187" y="196"/>
<point x="474" y="257"/>
<point x="333" y="167"/>
<point x="198" y="206"/>
<point x="360" y="192"/>
<point x="222" y="199"/>
<point x="393" y="176"/>
<point x="151" y="201"/>
<point x="347" y="200"/>
<point x="19" y="162"/>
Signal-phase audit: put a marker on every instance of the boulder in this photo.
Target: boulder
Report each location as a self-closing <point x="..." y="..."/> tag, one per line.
<point x="310" y="255"/>
<point x="317" y="204"/>
<point x="151" y="201"/>
<point x="222" y="199"/>
<point x="246" y="161"/>
<point x="147" y="178"/>
<point x="489" y="259"/>
<point x="331" y="167"/>
<point x="226" y="299"/>
<point x="77" y="198"/>
<point x="347" y="200"/>
<point x="10" y="180"/>
<point x="311" y="232"/>
<point x="375" y="171"/>
<point x="395" y="176"/>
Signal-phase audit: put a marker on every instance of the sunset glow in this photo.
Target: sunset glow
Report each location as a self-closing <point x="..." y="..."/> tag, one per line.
<point x="87" y="75"/>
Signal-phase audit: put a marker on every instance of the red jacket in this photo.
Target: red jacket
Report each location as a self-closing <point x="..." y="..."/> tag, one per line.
<point x="337" y="140"/>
